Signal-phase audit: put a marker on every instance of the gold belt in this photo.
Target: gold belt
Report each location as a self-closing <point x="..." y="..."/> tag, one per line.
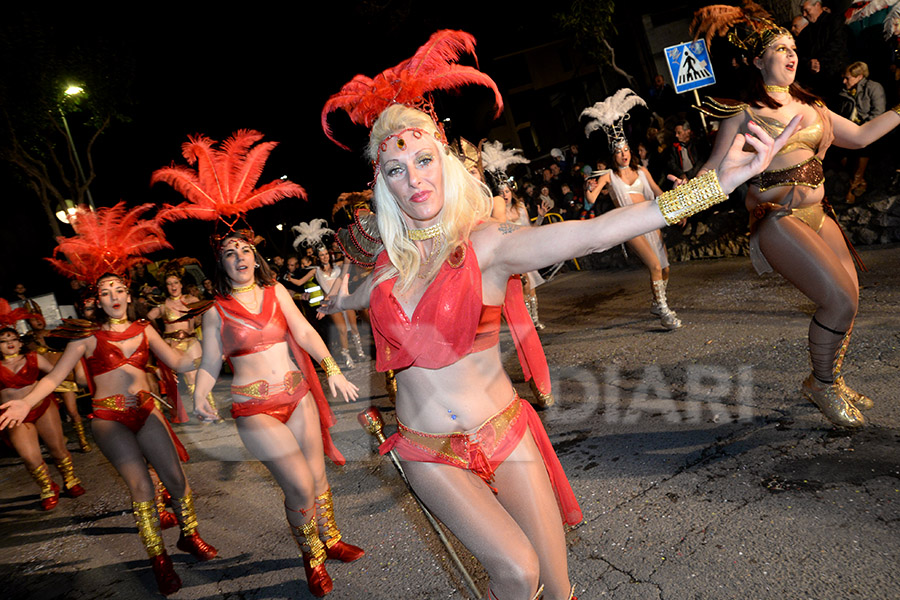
<point x="454" y="446"/>
<point x="121" y="402"/>
<point x="262" y="389"/>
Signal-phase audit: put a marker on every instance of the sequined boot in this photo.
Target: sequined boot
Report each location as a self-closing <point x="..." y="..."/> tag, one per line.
<point x="190" y="540"/>
<point x="531" y="304"/>
<point x="667" y="316"/>
<point x="162" y="499"/>
<point x="71" y="483"/>
<point x="821" y="387"/>
<point x="858" y="400"/>
<point x="78" y="426"/>
<point x="543" y="400"/>
<point x="348" y="361"/>
<point x="49" y="489"/>
<point x="335" y="548"/>
<point x="829" y="400"/>
<point x="167" y="580"/>
<point x="312" y="551"/>
<point x="390" y="385"/>
<point x="357" y="345"/>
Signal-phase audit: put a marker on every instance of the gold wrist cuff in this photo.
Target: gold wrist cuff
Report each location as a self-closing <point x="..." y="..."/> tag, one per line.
<point x="896" y="109"/>
<point x="330" y="367"/>
<point x="690" y="198"/>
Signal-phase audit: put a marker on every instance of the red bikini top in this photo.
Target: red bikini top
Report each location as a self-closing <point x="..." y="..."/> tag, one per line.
<point x="108" y="357"/>
<point x="245" y="333"/>
<point x="23" y="377"/>
<point x="448" y="323"/>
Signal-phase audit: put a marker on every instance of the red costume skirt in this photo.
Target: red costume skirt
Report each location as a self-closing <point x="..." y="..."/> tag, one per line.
<point x="267" y="400"/>
<point x="133" y="416"/>
<point x="484" y="448"/>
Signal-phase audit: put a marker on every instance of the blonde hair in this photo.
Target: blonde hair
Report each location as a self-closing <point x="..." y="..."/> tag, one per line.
<point x="857" y="69"/>
<point x="467" y="201"/>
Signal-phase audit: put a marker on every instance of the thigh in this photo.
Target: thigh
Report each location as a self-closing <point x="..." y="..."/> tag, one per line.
<point x="526" y="492"/>
<point x="462" y="501"/>
<point x="832" y="236"/>
<point x="641" y="247"/>
<point x="802" y="257"/>
<point x="24" y="438"/>
<point x="120" y="447"/>
<point x="305" y="427"/>
<point x="157" y="446"/>
<point x="273" y="443"/>
<point x="49" y="427"/>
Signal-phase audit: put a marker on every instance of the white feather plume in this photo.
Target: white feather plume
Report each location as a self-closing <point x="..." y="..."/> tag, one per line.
<point x="310" y="234"/>
<point x="495" y="159"/>
<point x="892" y="23"/>
<point x="610" y="112"/>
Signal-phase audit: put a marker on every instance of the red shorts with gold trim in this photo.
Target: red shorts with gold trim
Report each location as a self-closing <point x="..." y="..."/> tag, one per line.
<point x="266" y="399"/>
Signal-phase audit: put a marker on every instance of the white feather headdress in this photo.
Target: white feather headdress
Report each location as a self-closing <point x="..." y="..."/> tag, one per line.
<point x="609" y="116"/>
<point x="496" y="160"/>
<point x="310" y="234"/>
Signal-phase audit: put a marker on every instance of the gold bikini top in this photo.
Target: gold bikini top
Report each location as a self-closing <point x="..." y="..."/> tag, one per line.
<point x="808" y="137"/>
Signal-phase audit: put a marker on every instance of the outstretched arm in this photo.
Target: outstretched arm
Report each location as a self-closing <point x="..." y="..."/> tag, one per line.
<point x="511" y="251"/>
<point x="210" y="365"/>
<point x="17" y="410"/>
<point x="848" y="134"/>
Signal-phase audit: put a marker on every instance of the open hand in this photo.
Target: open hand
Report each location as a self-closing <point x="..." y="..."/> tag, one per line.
<point x="14" y="413"/>
<point x="738" y="166"/>
<point x="339" y="383"/>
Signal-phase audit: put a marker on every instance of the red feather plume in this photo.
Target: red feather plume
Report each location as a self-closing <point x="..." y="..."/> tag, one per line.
<point x="109" y="240"/>
<point x="10" y="318"/>
<point x="432" y="67"/>
<point x="223" y="183"/>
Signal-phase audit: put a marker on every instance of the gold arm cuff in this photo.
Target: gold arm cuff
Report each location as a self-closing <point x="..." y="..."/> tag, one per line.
<point x="697" y="194"/>
<point x="330" y="367"/>
<point x="896" y="109"/>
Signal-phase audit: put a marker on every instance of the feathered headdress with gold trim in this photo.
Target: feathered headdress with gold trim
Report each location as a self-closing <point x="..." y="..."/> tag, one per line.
<point x="109" y="240"/>
<point x="433" y="67"/>
<point x="748" y="27"/>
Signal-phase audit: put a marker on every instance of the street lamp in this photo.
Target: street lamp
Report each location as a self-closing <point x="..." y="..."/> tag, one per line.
<point x="74" y="90"/>
<point x="66" y="210"/>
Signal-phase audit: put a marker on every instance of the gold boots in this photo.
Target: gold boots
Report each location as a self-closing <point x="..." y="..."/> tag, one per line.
<point x="190" y="540"/>
<point x="858" y="400"/>
<point x="78" y="426"/>
<point x="312" y="551"/>
<point x="71" y="483"/>
<point x="829" y="400"/>
<point x="49" y="490"/>
<point x="167" y="580"/>
<point x="335" y="549"/>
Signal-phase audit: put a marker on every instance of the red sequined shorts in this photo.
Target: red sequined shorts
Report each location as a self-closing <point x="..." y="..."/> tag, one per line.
<point x="275" y="400"/>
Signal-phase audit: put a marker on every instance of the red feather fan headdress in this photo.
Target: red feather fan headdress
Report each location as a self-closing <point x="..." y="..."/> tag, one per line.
<point x="109" y="240"/>
<point x="222" y="186"/>
<point x="9" y="318"/>
<point x="432" y="67"/>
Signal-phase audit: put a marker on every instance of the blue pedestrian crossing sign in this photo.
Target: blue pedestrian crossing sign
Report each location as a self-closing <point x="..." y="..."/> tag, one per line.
<point x="690" y="66"/>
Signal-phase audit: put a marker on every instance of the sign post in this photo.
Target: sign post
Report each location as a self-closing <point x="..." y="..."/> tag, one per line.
<point x="691" y="68"/>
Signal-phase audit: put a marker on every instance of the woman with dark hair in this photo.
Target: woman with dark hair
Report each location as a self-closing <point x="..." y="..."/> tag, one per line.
<point x="278" y="406"/>
<point x="793" y="231"/>
<point x="18" y="376"/>
<point x="473" y="451"/>
<point x="127" y="426"/>
<point x="327" y="273"/>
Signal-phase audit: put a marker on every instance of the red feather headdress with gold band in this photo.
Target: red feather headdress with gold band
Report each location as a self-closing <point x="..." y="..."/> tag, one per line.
<point x="9" y="318"/>
<point x="748" y="27"/>
<point x="109" y="240"/>
<point x="432" y="67"/>
<point x="222" y="184"/>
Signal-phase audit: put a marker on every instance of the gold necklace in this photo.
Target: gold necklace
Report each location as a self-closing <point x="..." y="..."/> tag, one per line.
<point x="419" y="235"/>
<point x="784" y="89"/>
<point x="240" y="289"/>
<point x="175" y="298"/>
<point x="115" y="321"/>
<point x="435" y="246"/>
<point x="247" y="305"/>
<point x="11" y="356"/>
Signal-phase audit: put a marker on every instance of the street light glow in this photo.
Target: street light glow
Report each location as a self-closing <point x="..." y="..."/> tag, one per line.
<point x="73" y="90"/>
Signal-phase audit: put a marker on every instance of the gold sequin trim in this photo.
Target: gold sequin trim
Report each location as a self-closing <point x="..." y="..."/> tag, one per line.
<point x="697" y="194"/>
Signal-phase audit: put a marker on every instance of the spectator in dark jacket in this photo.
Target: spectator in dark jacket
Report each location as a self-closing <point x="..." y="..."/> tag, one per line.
<point x="861" y="100"/>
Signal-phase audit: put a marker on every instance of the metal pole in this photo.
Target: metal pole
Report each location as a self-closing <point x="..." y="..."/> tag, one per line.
<point x="87" y="190"/>
<point x="371" y="421"/>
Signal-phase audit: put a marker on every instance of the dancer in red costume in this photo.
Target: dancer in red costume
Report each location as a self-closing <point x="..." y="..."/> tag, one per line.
<point x="126" y="425"/>
<point x="18" y="375"/>
<point x="475" y="453"/>
<point x="281" y="413"/>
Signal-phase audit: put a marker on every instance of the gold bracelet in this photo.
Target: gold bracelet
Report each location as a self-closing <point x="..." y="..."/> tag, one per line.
<point x="690" y="198"/>
<point x="896" y="109"/>
<point x="330" y="367"/>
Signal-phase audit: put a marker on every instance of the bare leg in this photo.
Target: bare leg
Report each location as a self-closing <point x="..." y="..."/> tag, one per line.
<point x="659" y="279"/>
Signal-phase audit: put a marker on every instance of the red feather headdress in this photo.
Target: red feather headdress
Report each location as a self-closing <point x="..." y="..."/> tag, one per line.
<point x="222" y="186"/>
<point x="432" y="67"/>
<point x="109" y="240"/>
<point x="9" y="318"/>
<point x="748" y="27"/>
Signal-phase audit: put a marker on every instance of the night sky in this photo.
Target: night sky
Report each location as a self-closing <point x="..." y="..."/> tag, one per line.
<point x="221" y="70"/>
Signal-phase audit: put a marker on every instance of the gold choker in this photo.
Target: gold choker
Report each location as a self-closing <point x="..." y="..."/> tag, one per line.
<point x="784" y="89"/>
<point x="240" y="289"/>
<point x="418" y="235"/>
<point x="11" y="356"/>
<point x="115" y="321"/>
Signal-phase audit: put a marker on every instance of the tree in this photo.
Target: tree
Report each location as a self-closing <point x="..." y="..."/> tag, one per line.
<point x="590" y="22"/>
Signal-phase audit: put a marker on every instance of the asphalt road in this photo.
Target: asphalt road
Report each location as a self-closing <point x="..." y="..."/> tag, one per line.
<point x="701" y="471"/>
